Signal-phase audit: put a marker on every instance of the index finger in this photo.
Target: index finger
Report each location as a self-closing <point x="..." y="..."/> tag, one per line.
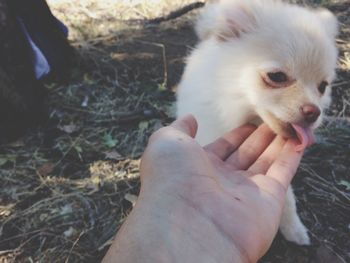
<point x="224" y="146"/>
<point x="285" y="166"/>
<point x="186" y="124"/>
<point x="252" y="148"/>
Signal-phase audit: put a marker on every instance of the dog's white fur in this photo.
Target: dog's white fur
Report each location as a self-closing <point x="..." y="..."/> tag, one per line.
<point x="222" y="85"/>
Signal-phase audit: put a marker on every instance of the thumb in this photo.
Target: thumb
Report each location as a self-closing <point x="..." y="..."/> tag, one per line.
<point x="186" y="124"/>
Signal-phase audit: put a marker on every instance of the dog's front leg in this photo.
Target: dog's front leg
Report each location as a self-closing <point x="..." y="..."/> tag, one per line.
<point x="291" y="226"/>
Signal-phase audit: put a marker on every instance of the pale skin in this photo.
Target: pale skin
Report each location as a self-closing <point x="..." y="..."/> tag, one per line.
<point x="218" y="203"/>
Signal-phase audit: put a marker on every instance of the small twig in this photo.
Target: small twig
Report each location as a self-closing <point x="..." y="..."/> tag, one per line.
<point x="105" y="244"/>
<point x="172" y="15"/>
<point x="325" y="243"/>
<point x="73" y="144"/>
<point x="87" y="12"/>
<point x="338" y="7"/>
<point x="341" y="83"/>
<point x="177" y="13"/>
<point x="8" y="251"/>
<point x="134" y="116"/>
<point x="324" y="182"/>
<point x="330" y="120"/>
<point x="74" y="244"/>
<point x="165" y="64"/>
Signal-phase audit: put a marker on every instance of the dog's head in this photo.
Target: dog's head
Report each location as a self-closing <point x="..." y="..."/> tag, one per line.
<point x="285" y="55"/>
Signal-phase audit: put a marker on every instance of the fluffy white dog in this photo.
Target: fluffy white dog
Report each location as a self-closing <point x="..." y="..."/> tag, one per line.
<point x="261" y="61"/>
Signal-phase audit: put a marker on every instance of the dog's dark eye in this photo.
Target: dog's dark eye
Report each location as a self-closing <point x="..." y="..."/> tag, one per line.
<point x="277" y="77"/>
<point x="322" y="87"/>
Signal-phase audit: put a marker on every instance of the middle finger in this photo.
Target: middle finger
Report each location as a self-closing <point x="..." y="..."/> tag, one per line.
<point x="251" y="148"/>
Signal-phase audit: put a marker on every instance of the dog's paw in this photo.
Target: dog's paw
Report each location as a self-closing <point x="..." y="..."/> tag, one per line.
<point x="296" y="232"/>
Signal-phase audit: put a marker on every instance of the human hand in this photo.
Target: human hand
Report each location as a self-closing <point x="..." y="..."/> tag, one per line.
<point x="220" y="203"/>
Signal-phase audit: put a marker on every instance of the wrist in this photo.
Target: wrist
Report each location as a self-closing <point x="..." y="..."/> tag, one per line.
<point x="159" y="232"/>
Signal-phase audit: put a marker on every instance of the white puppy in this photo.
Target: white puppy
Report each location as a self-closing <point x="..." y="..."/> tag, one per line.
<point x="261" y="61"/>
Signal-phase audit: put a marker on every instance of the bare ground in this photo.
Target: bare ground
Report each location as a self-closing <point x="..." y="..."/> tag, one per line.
<point x="67" y="186"/>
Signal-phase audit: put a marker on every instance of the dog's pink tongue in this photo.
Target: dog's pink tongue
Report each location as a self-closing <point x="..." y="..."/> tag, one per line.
<point x="305" y="136"/>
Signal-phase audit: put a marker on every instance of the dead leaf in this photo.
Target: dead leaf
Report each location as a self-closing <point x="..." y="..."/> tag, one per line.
<point x="85" y="102"/>
<point x="70" y="128"/>
<point x="96" y="180"/>
<point x="18" y="143"/>
<point x="69" y="232"/>
<point x="143" y="125"/>
<point x="6" y="210"/>
<point x="3" y="161"/>
<point x="158" y="125"/>
<point x="131" y="198"/>
<point x="345" y="183"/>
<point x="43" y="216"/>
<point x="114" y="155"/>
<point x="66" y="209"/>
<point x="109" y="141"/>
<point x="46" y="169"/>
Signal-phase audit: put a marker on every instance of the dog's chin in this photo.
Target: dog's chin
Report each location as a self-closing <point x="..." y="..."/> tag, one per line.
<point x="285" y="129"/>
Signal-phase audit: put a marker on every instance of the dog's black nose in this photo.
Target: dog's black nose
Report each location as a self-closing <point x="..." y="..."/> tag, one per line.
<point x="310" y="112"/>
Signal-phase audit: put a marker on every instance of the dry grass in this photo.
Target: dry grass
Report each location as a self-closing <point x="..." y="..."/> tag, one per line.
<point x="88" y="19"/>
<point x="67" y="186"/>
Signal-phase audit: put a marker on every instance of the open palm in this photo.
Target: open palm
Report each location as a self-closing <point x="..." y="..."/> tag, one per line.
<point x="238" y="182"/>
<point x="218" y="203"/>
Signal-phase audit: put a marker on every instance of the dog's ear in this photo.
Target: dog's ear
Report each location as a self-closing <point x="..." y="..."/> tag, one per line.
<point x="225" y="20"/>
<point x="329" y="21"/>
<point x="238" y="20"/>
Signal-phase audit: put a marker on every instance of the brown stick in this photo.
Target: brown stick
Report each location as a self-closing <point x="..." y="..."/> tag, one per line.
<point x="176" y="13"/>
